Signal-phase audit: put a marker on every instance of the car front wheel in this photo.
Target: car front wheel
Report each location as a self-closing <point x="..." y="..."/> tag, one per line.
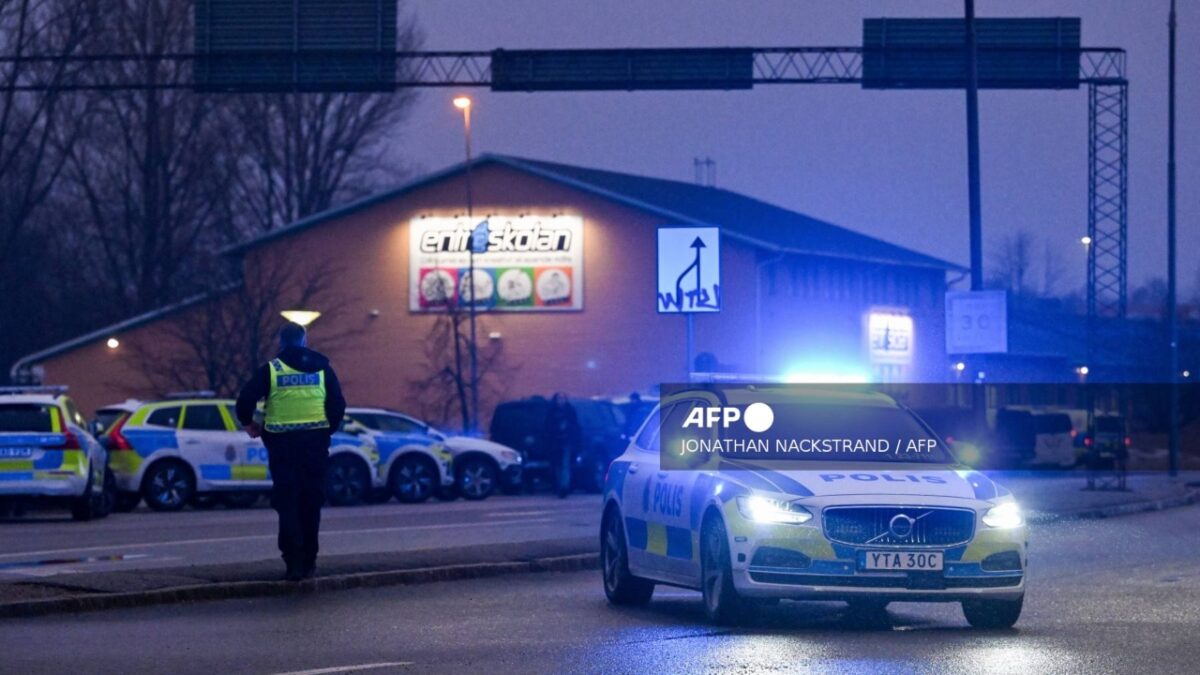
<point x="477" y="479"/>
<point x="413" y="479"/>
<point x="168" y="486"/>
<point x="722" y="604"/>
<point x="992" y="613"/>
<point x="347" y="481"/>
<point x="621" y="587"/>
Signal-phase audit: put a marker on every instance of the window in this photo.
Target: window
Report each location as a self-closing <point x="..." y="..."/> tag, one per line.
<point x="204" y="418"/>
<point x="648" y="438"/>
<point x="25" y="417"/>
<point x="165" y="417"/>
<point x="390" y="423"/>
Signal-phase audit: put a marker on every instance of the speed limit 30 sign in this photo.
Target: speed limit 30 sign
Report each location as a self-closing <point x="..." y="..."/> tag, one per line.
<point x="976" y="322"/>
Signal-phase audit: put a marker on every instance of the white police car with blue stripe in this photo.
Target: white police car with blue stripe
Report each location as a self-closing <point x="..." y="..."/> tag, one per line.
<point x="850" y="497"/>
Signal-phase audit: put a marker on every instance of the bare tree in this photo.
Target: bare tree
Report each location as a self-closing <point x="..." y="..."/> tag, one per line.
<point x="445" y="393"/>
<point x="150" y="180"/>
<point x="34" y="128"/>
<point x="299" y="154"/>
<point x="233" y="328"/>
<point x="1012" y="263"/>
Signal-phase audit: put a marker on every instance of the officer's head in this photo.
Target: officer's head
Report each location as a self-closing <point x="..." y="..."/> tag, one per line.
<point x="292" y="335"/>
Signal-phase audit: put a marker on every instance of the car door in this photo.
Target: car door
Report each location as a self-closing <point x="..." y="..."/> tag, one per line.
<point x="250" y="468"/>
<point x="669" y="498"/>
<point x="642" y="458"/>
<point x="208" y="444"/>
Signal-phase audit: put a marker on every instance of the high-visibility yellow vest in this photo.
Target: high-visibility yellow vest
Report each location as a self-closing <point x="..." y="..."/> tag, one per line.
<point x="296" y="401"/>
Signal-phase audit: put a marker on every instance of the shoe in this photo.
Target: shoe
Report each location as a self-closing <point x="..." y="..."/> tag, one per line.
<point x="295" y="572"/>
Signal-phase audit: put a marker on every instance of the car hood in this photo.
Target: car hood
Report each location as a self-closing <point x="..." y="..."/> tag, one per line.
<point x="843" y="480"/>
<point x="457" y="444"/>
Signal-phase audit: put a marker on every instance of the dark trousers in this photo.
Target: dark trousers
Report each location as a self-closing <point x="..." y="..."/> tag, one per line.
<point x="298" y="460"/>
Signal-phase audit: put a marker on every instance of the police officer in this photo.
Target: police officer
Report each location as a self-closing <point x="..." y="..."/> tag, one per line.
<point x="304" y="407"/>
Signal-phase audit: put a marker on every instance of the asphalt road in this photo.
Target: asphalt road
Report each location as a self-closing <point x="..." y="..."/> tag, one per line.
<point x="49" y="544"/>
<point x="1116" y="595"/>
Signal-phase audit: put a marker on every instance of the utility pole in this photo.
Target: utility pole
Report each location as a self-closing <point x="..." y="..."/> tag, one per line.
<point x="973" y="151"/>
<point x="1172" y="302"/>
<point x="978" y="399"/>
<point x="463" y="103"/>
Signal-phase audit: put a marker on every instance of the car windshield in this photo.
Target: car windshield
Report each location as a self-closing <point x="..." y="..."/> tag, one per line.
<point x="823" y="432"/>
<point x="17" y="417"/>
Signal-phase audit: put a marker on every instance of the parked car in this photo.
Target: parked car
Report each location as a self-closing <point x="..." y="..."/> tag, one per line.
<point x="522" y="425"/>
<point x="108" y="415"/>
<point x="48" y="456"/>
<point x="479" y="466"/>
<point x="1055" y="440"/>
<point x="192" y="451"/>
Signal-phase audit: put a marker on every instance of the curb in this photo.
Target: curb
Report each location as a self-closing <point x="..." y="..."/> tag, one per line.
<point x="257" y="589"/>
<point x="1115" y="510"/>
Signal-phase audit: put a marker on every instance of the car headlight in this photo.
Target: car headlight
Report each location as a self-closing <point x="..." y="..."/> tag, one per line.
<point x="766" y="510"/>
<point x="1004" y="517"/>
<point x="510" y="456"/>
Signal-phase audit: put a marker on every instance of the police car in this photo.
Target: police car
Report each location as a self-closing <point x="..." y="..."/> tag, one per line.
<point x="414" y="463"/>
<point x="711" y="512"/>
<point x="189" y="450"/>
<point x="46" y="453"/>
<point x="479" y="465"/>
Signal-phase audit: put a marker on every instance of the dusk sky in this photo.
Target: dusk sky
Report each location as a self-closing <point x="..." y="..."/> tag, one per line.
<point x="888" y="163"/>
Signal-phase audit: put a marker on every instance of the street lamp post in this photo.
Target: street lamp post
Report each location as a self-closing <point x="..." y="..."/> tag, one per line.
<point x="1172" y="301"/>
<point x="463" y="103"/>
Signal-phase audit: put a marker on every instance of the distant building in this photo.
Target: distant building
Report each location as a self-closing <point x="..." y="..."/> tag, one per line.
<point x="573" y="298"/>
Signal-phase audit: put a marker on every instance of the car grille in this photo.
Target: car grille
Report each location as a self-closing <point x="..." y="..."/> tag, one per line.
<point x="871" y="526"/>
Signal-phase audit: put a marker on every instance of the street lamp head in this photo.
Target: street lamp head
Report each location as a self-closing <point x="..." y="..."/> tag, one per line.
<point x="1085" y="240"/>
<point x="462" y="102"/>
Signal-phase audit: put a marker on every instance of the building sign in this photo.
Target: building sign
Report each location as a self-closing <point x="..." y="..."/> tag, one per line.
<point x="976" y="322"/>
<point x="522" y="263"/>
<point x="689" y="270"/>
<point x="889" y="337"/>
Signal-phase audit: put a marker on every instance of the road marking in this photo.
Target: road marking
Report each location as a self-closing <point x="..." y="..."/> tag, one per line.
<point x="348" y="669"/>
<point x="255" y="537"/>
<point x="503" y="514"/>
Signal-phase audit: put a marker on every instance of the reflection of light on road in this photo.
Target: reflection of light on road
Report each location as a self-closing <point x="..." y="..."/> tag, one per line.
<point x="1015" y="656"/>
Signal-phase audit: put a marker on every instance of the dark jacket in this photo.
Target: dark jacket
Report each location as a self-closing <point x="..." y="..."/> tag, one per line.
<point x="304" y="360"/>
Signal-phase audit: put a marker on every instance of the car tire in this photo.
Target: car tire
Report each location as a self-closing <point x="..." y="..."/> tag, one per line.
<point x="168" y="486"/>
<point x="87" y="506"/>
<point x="992" y="614"/>
<point x="621" y="587"/>
<point x="477" y="478"/>
<point x="124" y="502"/>
<point x="347" y="481"/>
<point x="413" y="479"/>
<point x="722" y="604"/>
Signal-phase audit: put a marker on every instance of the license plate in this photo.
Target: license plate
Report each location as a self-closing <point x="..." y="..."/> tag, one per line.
<point x="904" y="561"/>
<point x="16" y="453"/>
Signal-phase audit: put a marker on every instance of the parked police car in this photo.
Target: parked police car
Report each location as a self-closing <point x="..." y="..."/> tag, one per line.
<point x="746" y="527"/>
<point x="46" y="453"/>
<point x="191" y="450"/>
<point x="480" y="466"/>
<point x="411" y="467"/>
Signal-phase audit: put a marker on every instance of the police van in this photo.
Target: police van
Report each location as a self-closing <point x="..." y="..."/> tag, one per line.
<point x="706" y="498"/>
<point x="190" y="450"/>
<point x="47" y="455"/>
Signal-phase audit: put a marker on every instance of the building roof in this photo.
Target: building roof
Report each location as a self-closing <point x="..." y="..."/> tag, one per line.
<point x="679" y="203"/>
<point x="111" y="329"/>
